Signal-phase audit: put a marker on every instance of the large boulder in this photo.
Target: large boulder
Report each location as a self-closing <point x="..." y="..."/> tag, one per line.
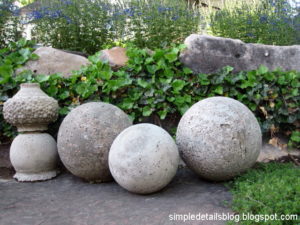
<point x="116" y="57"/>
<point x="208" y="54"/>
<point x="219" y="138"/>
<point x="52" y="61"/>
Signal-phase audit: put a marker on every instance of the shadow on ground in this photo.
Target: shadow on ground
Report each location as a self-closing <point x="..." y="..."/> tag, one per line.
<point x="67" y="200"/>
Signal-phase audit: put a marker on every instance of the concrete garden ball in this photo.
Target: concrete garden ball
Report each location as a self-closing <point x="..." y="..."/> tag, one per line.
<point x="143" y="159"/>
<point x="34" y="156"/>
<point x="85" y="137"/>
<point x="219" y="138"/>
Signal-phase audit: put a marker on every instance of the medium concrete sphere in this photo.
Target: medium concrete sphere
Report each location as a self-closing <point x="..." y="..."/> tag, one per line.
<point x="34" y="157"/>
<point x="219" y="138"/>
<point x="85" y="137"/>
<point x="143" y="158"/>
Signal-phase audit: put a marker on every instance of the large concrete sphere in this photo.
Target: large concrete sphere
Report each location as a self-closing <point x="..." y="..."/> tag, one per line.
<point x="219" y="138"/>
<point x="143" y="158"/>
<point x="85" y="137"/>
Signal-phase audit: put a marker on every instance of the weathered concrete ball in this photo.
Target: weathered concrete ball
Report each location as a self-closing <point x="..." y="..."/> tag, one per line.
<point x="143" y="159"/>
<point x="85" y="137"/>
<point x="219" y="138"/>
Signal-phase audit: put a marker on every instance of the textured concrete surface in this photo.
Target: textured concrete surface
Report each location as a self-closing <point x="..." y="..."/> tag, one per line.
<point x="67" y="200"/>
<point x="219" y="138"/>
<point x="208" y="54"/>
<point x="85" y="137"/>
<point x="143" y="158"/>
<point x="34" y="156"/>
<point x="30" y="109"/>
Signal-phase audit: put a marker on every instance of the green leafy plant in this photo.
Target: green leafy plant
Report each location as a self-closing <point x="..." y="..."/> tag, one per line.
<point x="10" y="27"/>
<point x="158" y="23"/>
<point x="271" y="188"/>
<point x="87" y="26"/>
<point x="11" y="58"/>
<point x="156" y="84"/>
<point x="268" y="22"/>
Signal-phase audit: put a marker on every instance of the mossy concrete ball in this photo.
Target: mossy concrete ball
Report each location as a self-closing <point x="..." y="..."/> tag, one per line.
<point x="219" y="138"/>
<point x="85" y="137"/>
<point x="143" y="159"/>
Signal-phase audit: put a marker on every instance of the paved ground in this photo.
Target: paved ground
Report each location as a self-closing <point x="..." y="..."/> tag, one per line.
<point x="68" y="200"/>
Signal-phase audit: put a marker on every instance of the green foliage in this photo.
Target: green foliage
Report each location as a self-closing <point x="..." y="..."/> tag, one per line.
<point x="10" y="28"/>
<point x="11" y="58"/>
<point x="267" y="22"/>
<point x="87" y="26"/>
<point x="295" y="139"/>
<point x="158" y="23"/>
<point x="157" y="84"/>
<point x="271" y="188"/>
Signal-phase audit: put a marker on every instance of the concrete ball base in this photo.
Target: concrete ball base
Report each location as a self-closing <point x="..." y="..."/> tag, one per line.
<point x="34" y="157"/>
<point x="143" y="159"/>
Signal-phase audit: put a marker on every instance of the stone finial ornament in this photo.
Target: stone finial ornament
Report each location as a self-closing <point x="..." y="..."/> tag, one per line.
<point x="30" y="109"/>
<point x="33" y="154"/>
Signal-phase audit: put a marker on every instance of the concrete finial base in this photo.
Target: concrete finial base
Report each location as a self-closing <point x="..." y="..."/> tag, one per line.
<point x="23" y="177"/>
<point x="34" y="157"/>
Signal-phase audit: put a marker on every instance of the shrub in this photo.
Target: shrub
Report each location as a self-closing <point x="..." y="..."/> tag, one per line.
<point x="10" y="28"/>
<point x="267" y="22"/>
<point x="271" y="188"/>
<point x="159" y="23"/>
<point x="88" y="26"/>
<point x="11" y="57"/>
<point x="158" y="84"/>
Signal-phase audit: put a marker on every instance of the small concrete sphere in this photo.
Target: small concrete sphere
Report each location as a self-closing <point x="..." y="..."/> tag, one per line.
<point x="143" y="159"/>
<point x="34" y="157"/>
<point x="85" y="137"/>
<point x="219" y="138"/>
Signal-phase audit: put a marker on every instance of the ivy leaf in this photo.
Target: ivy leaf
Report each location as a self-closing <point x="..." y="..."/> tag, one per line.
<point x="6" y="72"/>
<point x="178" y="85"/>
<point x="95" y="58"/>
<point x="64" y="95"/>
<point x="162" y="114"/>
<point x="269" y="76"/>
<point x="63" y="111"/>
<point x="126" y="104"/>
<point x="183" y="109"/>
<point x="34" y="56"/>
<point x="262" y="70"/>
<point x="151" y="68"/>
<point x="172" y="56"/>
<point x="25" y="52"/>
<point x="295" y="136"/>
<point x="147" y="111"/>
<point x="142" y="83"/>
<point x="187" y="70"/>
<point x="106" y="75"/>
<point x="52" y="90"/>
<point x="219" y="90"/>
<point x="42" y="78"/>
<point x="203" y="79"/>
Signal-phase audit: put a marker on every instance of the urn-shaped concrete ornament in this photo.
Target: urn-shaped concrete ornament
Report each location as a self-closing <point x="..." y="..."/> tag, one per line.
<point x="33" y="154"/>
<point x="30" y="109"/>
